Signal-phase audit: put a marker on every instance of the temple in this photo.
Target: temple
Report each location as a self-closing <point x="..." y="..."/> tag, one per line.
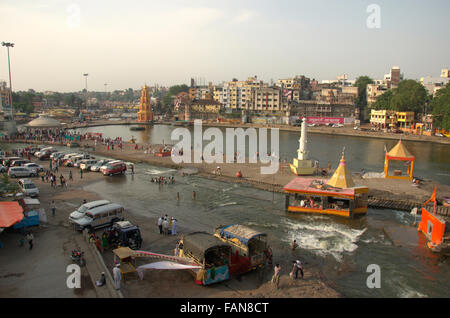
<point x="399" y="153"/>
<point x="301" y="166"/>
<point x="338" y="196"/>
<point x="145" y="113"/>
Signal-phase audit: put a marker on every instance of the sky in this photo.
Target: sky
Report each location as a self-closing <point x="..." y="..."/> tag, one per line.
<point x="126" y="44"/>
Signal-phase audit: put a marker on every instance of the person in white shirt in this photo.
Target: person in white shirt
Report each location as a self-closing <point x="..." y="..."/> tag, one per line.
<point x="117" y="276"/>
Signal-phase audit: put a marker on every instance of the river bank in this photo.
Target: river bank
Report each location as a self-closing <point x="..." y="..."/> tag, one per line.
<point x="166" y="284"/>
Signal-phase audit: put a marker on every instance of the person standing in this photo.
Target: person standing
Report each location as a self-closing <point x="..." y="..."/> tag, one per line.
<point x="117" y="276"/>
<point x="30" y="238"/>
<point x="81" y="173"/>
<point x="174" y="226"/>
<point x="276" y="276"/>
<point x="70" y="175"/>
<point x="53" y="207"/>
<point x="160" y="222"/>
<point x="165" y="226"/>
<point x="294" y="245"/>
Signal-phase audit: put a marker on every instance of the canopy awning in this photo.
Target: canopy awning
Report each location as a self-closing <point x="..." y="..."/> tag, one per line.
<point x="124" y="252"/>
<point x="10" y="213"/>
<point x="400" y="151"/>
<point x="242" y="233"/>
<point x="342" y="177"/>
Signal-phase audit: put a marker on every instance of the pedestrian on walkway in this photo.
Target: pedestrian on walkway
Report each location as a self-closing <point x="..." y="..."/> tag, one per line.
<point x="53" y="207"/>
<point x="117" y="276"/>
<point x="30" y="238"/>
<point x="165" y="226"/>
<point x="276" y="276"/>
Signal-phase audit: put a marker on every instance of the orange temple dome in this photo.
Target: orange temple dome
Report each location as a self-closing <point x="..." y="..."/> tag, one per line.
<point x="145" y="113"/>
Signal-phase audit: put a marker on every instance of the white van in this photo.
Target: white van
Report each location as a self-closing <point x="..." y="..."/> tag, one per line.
<point x="14" y="172"/>
<point x="101" y="216"/>
<point x="81" y="211"/>
<point x="28" y="187"/>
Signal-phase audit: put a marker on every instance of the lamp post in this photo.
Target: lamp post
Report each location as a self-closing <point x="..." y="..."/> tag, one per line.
<point x="85" y="76"/>
<point x="8" y="45"/>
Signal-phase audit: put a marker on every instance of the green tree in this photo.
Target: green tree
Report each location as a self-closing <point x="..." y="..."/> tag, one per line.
<point x="383" y="101"/>
<point x="362" y="82"/>
<point x="441" y="107"/>
<point x="409" y="96"/>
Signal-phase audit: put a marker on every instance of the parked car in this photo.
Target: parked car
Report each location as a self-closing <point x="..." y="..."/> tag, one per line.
<point x="7" y="161"/>
<point x="73" y="145"/>
<point x="46" y="149"/>
<point x="15" y="172"/>
<point x="99" y="164"/>
<point x="101" y="216"/>
<point x="86" y="164"/>
<point x="57" y="155"/>
<point x="114" y="168"/>
<point x="87" y="207"/>
<point x="127" y="235"/>
<point x="19" y="163"/>
<point x="28" y="187"/>
<point x="35" y="166"/>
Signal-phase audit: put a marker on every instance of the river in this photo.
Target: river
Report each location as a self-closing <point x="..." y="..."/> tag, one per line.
<point x="432" y="160"/>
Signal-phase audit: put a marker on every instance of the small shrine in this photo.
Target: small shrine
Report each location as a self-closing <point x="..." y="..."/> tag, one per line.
<point x="399" y="153"/>
<point x="145" y="113"/>
<point x="301" y="165"/>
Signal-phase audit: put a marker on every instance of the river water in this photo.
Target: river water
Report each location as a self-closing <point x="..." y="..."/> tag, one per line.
<point x="432" y="160"/>
<point x="340" y="249"/>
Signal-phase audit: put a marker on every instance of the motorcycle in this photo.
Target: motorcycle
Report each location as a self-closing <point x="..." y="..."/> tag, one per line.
<point x="78" y="257"/>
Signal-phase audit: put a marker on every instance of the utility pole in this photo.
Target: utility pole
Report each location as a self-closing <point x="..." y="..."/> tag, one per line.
<point x="8" y="45"/>
<point x="85" y="76"/>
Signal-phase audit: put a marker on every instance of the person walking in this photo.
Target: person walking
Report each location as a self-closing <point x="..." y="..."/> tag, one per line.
<point x="117" y="276"/>
<point x="30" y="238"/>
<point x="298" y="268"/>
<point x="53" y="207"/>
<point x="276" y="276"/>
<point x="81" y="173"/>
<point x="70" y="175"/>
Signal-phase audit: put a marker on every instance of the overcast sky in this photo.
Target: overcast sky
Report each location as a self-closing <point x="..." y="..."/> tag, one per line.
<point x="130" y="43"/>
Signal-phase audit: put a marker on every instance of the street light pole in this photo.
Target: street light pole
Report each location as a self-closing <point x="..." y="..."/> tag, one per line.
<point x="85" y="76"/>
<point x="8" y="45"/>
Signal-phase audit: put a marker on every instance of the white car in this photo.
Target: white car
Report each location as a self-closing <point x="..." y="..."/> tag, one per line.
<point x="99" y="164"/>
<point x="109" y="162"/>
<point x="35" y="166"/>
<point x="86" y="164"/>
<point x="28" y="187"/>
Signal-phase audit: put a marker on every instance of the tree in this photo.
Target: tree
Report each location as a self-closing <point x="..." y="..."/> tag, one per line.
<point x="409" y="96"/>
<point x="362" y="82"/>
<point x="383" y="101"/>
<point x="441" y="107"/>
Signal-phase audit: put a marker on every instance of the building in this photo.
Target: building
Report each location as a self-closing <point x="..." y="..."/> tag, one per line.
<point x="445" y="73"/>
<point x="393" y="78"/>
<point x="4" y="96"/>
<point x="314" y="108"/>
<point x="433" y="84"/>
<point x="374" y="91"/>
<point x="383" y="118"/>
<point x="145" y="113"/>
<point x="268" y="99"/>
<point x="405" y="119"/>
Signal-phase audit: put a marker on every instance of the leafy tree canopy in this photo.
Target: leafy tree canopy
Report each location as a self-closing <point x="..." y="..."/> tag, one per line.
<point x="441" y="107"/>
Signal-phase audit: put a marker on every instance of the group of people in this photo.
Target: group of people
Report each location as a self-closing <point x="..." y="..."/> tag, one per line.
<point x="51" y="177"/>
<point x="164" y="180"/>
<point x="296" y="269"/>
<point x="167" y="225"/>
